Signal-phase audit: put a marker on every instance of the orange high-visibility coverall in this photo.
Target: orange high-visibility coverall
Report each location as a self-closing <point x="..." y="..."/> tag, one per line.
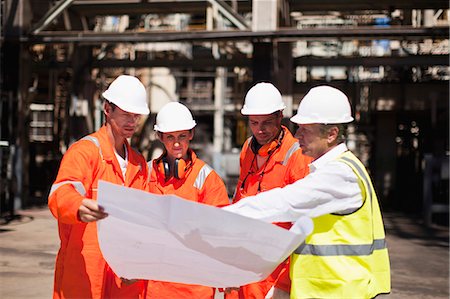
<point x="81" y="271"/>
<point x="284" y="166"/>
<point x="200" y="184"/>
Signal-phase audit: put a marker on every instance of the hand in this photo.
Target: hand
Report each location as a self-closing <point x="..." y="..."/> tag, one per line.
<point x="90" y="211"/>
<point x="128" y="282"/>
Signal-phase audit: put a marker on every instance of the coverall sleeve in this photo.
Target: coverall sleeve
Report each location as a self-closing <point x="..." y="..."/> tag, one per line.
<point x="75" y="172"/>
<point x="214" y="191"/>
<point x="333" y="189"/>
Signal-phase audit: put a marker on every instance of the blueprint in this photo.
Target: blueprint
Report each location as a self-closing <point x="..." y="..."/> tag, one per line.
<point x="167" y="238"/>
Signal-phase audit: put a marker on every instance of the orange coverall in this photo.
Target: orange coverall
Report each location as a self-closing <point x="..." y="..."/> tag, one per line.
<point x="284" y="166"/>
<point x="81" y="271"/>
<point x="200" y="184"/>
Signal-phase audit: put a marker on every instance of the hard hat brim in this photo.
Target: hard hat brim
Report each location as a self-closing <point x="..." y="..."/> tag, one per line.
<point x="126" y="108"/>
<point x="168" y="129"/>
<point x="247" y="111"/>
<point x="301" y="120"/>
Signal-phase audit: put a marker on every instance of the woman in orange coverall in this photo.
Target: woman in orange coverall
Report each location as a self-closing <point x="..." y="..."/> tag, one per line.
<point x="178" y="171"/>
<point x="80" y="270"/>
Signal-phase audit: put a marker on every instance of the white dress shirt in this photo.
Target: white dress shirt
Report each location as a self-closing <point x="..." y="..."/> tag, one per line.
<point x="331" y="187"/>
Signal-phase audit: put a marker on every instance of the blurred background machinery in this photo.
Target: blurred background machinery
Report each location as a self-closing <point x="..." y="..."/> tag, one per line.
<point x="389" y="57"/>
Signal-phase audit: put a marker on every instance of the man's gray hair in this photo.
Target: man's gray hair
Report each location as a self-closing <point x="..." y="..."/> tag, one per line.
<point x="342" y="135"/>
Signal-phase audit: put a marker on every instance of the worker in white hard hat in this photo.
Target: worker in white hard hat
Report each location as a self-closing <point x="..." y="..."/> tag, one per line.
<point x="179" y="171"/>
<point x="81" y="271"/>
<point x="269" y="159"/>
<point x="346" y="255"/>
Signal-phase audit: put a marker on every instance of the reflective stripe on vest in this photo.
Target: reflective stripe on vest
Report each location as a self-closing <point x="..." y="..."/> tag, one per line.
<point x="346" y="255"/>
<point x="361" y="174"/>
<point x="330" y="250"/>
<point x="202" y="175"/>
<point x="76" y="184"/>
<point x="355" y="250"/>
<point x="289" y="153"/>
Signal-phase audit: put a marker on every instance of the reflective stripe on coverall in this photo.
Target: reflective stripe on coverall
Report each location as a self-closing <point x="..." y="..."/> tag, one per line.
<point x="285" y="165"/>
<point x="200" y="184"/>
<point x="346" y="255"/>
<point x="80" y="270"/>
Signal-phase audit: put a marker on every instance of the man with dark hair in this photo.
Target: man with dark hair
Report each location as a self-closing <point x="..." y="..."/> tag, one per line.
<point x="81" y="271"/>
<point x="270" y="158"/>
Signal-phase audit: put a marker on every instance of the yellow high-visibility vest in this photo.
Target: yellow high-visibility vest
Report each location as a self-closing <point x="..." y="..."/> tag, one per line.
<point x="346" y="255"/>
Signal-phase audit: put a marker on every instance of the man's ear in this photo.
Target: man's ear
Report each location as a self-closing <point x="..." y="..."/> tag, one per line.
<point x="280" y="119"/>
<point x="106" y="108"/>
<point x="333" y="134"/>
<point x="191" y="132"/>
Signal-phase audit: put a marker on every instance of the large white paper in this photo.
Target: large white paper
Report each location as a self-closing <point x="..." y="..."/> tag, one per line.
<point x="156" y="237"/>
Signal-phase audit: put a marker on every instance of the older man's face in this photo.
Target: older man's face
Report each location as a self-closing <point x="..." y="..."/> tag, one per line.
<point x="312" y="140"/>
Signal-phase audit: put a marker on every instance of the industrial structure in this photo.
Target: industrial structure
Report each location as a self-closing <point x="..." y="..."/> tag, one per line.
<point x="389" y="57"/>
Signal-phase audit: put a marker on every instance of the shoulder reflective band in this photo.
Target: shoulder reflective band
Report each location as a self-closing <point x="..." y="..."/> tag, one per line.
<point x="333" y="250"/>
<point x="352" y="250"/>
<point x="289" y="153"/>
<point x="77" y="185"/>
<point x="94" y="141"/>
<point x="202" y="175"/>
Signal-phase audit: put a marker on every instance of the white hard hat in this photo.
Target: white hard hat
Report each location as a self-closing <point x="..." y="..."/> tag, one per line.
<point x="323" y="105"/>
<point x="173" y="117"/>
<point x="128" y="93"/>
<point x="261" y="99"/>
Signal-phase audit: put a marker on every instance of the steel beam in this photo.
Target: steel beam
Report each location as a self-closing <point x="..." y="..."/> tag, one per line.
<point x="360" y="33"/>
<point x="204" y="63"/>
<point x="50" y="16"/>
<point x="394" y="61"/>
<point x="236" y="19"/>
